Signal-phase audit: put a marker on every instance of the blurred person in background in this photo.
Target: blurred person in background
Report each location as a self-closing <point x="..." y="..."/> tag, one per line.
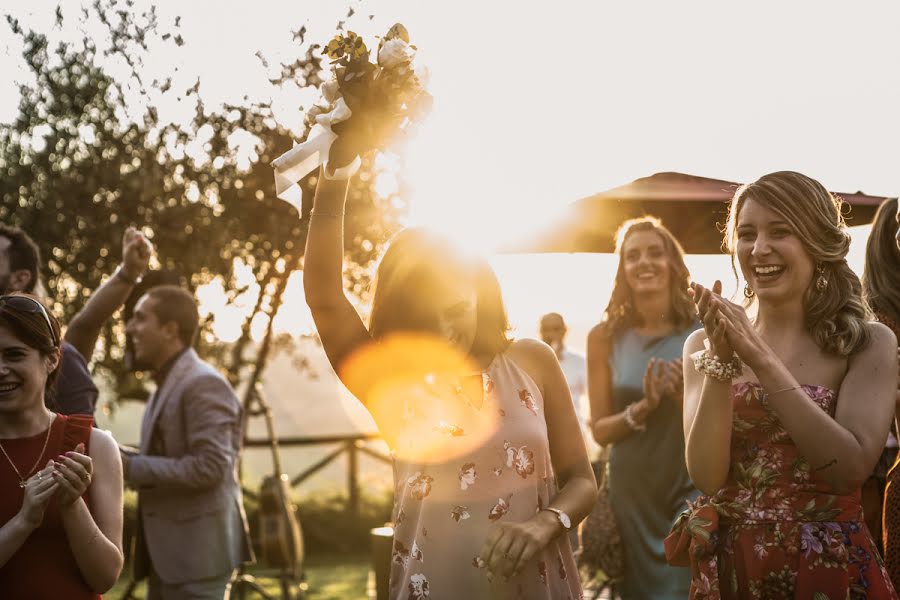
<point x="635" y="389"/>
<point x="553" y="332"/>
<point x="881" y="288"/>
<point x="191" y="531"/>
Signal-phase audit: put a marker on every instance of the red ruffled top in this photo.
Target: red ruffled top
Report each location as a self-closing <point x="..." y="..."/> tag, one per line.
<point x="44" y="566"/>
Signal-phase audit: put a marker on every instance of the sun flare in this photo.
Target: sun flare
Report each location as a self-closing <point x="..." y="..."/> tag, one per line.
<point x="416" y="378"/>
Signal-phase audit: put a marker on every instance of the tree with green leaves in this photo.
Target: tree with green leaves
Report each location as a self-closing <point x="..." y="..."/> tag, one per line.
<point x="89" y="155"/>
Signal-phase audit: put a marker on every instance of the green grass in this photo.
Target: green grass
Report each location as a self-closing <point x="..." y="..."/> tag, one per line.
<point x="337" y="577"/>
<point x="328" y="577"/>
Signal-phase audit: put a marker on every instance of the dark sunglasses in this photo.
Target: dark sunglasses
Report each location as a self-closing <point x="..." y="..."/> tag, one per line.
<point x="26" y="304"/>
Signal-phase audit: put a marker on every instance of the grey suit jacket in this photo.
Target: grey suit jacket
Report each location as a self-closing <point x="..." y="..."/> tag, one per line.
<point x="191" y="519"/>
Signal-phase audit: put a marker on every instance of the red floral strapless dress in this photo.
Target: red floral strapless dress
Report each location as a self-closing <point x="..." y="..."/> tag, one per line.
<point x="776" y="529"/>
<point x="43" y="568"/>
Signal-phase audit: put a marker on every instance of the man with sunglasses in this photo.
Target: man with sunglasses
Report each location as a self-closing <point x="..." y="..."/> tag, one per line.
<point x="20" y="272"/>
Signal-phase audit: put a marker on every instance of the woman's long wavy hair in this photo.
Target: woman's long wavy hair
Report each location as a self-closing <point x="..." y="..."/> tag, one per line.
<point x="620" y="313"/>
<point x="405" y="283"/>
<point x="31" y="329"/>
<point x="836" y="317"/>
<point x="881" y="275"/>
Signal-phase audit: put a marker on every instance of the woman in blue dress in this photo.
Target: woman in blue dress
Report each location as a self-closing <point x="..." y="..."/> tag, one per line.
<point x="635" y="388"/>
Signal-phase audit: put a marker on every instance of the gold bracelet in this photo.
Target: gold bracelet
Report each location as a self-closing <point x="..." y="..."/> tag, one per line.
<point x="787" y="389"/>
<point x="319" y="213"/>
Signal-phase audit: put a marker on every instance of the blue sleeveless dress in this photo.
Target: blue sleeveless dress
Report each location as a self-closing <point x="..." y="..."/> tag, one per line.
<point x="648" y="478"/>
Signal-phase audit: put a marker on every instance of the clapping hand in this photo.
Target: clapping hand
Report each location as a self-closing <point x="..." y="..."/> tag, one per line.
<point x="655" y="382"/>
<point x="663" y="379"/>
<point x="675" y="381"/>
<point x="73" y="470"/>
<point x="39" y="488"/>
<point x="709" y="304"/>
<point x="728" y="326"/>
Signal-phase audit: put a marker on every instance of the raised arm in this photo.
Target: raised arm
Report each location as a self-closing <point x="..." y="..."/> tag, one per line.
<point x="340" y="328"/>
<point x="85" y="327"/>
<point x="707" y="422"/>
<point x="707" y="401"/>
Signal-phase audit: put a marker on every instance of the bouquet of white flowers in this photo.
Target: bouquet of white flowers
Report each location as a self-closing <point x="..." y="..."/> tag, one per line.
<point x="363" y="107"/>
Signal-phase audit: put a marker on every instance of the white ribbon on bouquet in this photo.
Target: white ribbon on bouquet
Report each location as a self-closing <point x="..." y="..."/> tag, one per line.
<point x="299" y="161"/>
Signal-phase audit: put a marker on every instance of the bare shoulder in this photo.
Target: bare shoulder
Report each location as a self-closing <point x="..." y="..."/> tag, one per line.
<point x="102" y="443"/>
<point x="880" y="331"/>
<point x="598" y="339"/>
<point x="531" y="350"/>
<point x="534" y="356"/>
<point x="695" y="341"/>
<point x="882" y="340"/>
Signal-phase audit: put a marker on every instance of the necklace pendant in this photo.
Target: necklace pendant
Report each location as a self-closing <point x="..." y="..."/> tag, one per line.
<point x="21" y="484"/>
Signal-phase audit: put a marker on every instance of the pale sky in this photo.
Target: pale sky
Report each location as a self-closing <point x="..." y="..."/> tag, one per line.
<point x="539" y="104"/>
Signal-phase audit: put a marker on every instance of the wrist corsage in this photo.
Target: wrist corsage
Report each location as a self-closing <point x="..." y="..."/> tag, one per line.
<point x="711" y="366"/>
<point x="631" y="421"/>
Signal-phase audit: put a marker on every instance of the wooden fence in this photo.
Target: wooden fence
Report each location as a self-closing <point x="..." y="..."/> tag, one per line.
<point x="352" y="445"/>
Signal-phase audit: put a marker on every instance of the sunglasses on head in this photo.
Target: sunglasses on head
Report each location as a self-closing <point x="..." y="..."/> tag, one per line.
<point x="27" y="304"/>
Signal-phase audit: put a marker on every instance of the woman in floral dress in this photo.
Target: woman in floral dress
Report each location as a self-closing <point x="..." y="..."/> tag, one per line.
<point x="786" y="415"/>
<point x="489" y="467"/>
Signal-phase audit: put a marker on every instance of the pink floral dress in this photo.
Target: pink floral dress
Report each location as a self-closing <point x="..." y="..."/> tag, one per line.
<point x="776" y="529"/>
<point x="462" y="467"/>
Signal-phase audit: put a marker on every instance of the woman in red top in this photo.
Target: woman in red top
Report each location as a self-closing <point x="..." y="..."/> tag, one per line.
<point x="60" y="479"/>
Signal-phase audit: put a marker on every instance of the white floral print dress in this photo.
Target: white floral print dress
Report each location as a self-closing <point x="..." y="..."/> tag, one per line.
<point x="459" y="471"/>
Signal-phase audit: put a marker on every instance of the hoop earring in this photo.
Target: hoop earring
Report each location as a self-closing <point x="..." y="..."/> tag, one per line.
<point x="748" y="291"/>
<point x="821" y="280"/>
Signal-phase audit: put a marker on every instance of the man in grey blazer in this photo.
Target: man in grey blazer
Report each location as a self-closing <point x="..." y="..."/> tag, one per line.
<point x="192" y="531"/>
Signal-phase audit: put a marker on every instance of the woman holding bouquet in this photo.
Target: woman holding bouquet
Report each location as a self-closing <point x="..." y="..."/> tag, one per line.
<point x="489" y="476"/>
<point x="786" y="415"/>
<point x="635" y="387"/>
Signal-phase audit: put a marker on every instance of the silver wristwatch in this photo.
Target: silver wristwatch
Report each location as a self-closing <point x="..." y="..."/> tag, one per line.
<point x="562" y="516"/>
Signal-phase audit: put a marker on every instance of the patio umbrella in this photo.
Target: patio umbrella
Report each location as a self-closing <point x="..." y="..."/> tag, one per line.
<point x="693" y="208"/>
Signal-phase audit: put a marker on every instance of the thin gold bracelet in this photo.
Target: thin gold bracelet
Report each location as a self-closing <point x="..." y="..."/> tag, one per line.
<point x="787" y="389"/>
<point x="318" y="213"/>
